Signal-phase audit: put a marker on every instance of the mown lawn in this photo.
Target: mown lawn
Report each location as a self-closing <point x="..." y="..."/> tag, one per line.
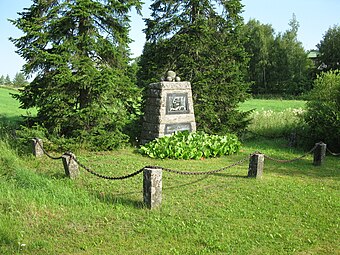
<point x="293" y="209"/>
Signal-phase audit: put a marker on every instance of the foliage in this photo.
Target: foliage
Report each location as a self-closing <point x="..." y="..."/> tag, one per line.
<point x="329" y="48"/>
<point x="279" y="63"/>
<point x="202" y="43"/>
<point x="323" y="109"/>
<point x="2" y="80"/>
<point x="195" y="145"/>
<point x="259" y="43"/>
<point x="78" y="52"/>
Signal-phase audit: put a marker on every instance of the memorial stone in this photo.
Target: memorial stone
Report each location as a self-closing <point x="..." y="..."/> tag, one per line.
<point x="168" y="108"/>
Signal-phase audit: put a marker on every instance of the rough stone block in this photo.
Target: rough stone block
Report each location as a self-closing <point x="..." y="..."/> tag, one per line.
<point x="37" y="147"/>
<point x="152" y="187"/>
<point x="256" y="164"/>
<point x="319" y="154"/>
<point x="70" y="165"/>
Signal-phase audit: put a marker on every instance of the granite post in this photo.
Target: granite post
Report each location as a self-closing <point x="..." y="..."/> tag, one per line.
<point x="319" y="154"/>
<point x="256" y="164"/>
<point x="152" y="187"/>
<point x="70" y="165"/>
<point x="37" y="147"/>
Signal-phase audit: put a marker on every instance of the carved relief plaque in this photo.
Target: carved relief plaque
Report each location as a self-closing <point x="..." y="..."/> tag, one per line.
<point x="177" y="103"/>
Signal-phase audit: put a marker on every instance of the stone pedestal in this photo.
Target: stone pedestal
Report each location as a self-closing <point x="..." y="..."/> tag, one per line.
<point x="168" y="108"/>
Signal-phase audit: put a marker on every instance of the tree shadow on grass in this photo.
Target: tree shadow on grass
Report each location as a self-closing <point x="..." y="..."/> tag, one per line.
<point x="185" y="184"/>
<point x="232" y="175"/>
<point x="305" y="167"/>
<point x="120" y="199"/>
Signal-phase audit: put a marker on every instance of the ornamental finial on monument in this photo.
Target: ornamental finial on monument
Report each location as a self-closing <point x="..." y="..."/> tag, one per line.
<point x="171" y="76"/>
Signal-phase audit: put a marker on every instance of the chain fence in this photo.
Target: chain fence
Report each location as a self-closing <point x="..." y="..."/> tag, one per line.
<point x="89" y="170"/>
<point x="332" y="153"/>
<point x="45" y="152"/>
<point x="202" y="172"/>
<point x="291" y="160"/>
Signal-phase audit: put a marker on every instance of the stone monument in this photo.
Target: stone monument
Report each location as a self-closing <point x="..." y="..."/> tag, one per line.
<point x="168" y="108"/>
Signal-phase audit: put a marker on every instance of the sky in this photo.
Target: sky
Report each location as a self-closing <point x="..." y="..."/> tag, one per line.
<point x="315" y="17"/>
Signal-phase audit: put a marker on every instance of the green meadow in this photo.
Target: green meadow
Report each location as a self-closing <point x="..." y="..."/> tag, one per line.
<point x="293" y="209"/>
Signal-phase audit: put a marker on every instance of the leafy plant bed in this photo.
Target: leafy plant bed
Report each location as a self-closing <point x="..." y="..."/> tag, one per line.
<point x="196" y="145"/>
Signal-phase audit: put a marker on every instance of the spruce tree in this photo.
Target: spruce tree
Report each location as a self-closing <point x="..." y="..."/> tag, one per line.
<point x="78" y="52"/>
<point x="19" y="80"/>
<point x="7" y="80"/>
<point x="2" y="80"/>
<point x="202" y="41"/>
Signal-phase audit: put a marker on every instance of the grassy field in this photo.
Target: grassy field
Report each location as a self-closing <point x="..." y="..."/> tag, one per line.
<point x="9" y="107"/>
<point x="261" y="105"/>
<point x="293" y="209"/>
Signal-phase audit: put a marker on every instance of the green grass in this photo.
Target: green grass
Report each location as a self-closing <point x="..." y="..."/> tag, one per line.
<point x="276" y="118"/>
<point x="9" y="106"/>
<point x="272" y="105"/>
<point x="293" y="209"/>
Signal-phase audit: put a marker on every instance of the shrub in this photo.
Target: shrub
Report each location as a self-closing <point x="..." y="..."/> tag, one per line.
<point x="323" y="109"/>
<point x="185" y="145"/>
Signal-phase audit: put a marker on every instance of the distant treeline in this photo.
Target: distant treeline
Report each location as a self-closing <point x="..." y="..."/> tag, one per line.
<point x="19" y="80"/>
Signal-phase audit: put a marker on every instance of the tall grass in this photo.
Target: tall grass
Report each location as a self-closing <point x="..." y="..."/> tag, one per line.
<point x="275" y="124"/>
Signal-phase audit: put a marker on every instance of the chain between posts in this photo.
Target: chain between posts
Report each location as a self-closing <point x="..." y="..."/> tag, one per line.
<point x="291" y="160"/>
<point x="332" y="153"/>
<point x="104" y="176"/>
<point x="201" y="173"/>
<point x="46" y="153"/>
<point x="173" y="170"/>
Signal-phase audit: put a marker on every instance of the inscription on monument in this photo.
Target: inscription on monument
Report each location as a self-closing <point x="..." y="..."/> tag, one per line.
<point x="177" y="103"/>
<point x="172" y="128"/>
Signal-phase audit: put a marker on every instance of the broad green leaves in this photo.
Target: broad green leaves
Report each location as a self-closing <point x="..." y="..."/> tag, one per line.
<point x="197" y="145"/>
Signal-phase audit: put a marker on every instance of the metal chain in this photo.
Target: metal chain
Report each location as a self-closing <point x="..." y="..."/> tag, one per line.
<point x="290" y="160"/>
<point x="177" y="171"/>
<point x="200" y="173"/>
<point x="101" y="175"/>
<point x="332" y="153"/>
<point x="45" y="152"/>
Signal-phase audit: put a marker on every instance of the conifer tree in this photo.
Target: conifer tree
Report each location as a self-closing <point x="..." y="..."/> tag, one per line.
<point x="2" y="80"/>
<point x="202" y="41"/>
<point x="7" y="80"/>
<point x="19" y="80"/>
<point x="78" y="52"/>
